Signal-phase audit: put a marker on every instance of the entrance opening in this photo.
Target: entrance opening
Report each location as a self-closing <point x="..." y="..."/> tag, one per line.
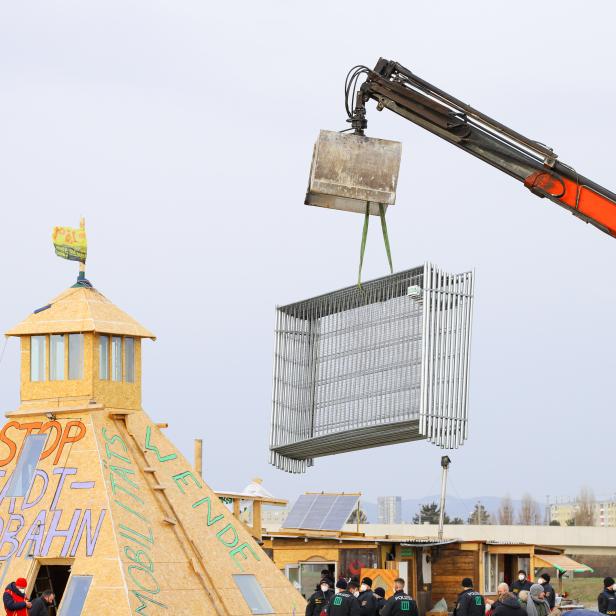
<point x="54" y="578"/>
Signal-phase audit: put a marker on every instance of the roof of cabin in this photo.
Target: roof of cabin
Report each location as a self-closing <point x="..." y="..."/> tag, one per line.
<point x="80" y="309"/>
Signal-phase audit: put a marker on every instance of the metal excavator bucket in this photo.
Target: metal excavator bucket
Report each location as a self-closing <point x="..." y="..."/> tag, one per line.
<point x="350" y="170"/>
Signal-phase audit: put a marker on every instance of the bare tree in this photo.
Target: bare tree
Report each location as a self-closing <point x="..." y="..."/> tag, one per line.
<point x="529" y="515"/>
<point x="505" y="511"/>
<point x="584" y="508"/>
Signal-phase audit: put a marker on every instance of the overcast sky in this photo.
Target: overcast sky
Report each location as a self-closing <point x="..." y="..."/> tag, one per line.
<point x="183" y="132"/>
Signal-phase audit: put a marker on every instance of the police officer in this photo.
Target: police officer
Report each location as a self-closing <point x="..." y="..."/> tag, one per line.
<point x="521" y="583"/>
<point x="400" y="604"/>
<point x="379" y="597"/>
<point x="607" y="599"/>
<point x="366" y="598"/>
<point x="470" y="602"/>
<point x="343" y="603"/>
<point x="319" y="599"/>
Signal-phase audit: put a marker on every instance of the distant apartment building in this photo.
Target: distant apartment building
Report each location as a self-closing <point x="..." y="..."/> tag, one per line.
<point x="273" y="515"/>
<point x="389" y="509"/>
<point x="604" y="512"/>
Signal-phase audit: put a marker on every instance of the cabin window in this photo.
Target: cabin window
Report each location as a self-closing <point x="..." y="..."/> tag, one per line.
<point x="129" y="360"/>
<point x="253" y="593"/>
<point x="56" y="358"/>
<point x="103" y="371"/>
<point x="75" y="357"/>
<point x="21" y="480"/>
<point x="116" y="358"/>
<point x="38" y="358"/>
<point x="490" y="572"/>
<point x="75" y="595"/>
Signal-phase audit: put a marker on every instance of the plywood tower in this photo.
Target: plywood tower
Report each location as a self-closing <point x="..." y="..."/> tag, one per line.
<point x="96" y="501"/>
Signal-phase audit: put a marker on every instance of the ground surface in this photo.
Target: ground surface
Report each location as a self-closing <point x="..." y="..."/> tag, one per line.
<point x="585" y="590"/>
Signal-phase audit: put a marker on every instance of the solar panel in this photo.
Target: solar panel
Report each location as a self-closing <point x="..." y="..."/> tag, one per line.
<point x="343" y="507"/>
<point x="321" y="511"/>
<point x="299" y="511"/>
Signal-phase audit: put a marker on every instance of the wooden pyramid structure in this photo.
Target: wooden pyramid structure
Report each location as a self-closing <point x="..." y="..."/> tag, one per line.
<point x="96" y="502"/>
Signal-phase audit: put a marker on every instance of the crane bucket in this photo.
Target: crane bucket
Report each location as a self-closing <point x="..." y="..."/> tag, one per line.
<point x="348" y="171"/>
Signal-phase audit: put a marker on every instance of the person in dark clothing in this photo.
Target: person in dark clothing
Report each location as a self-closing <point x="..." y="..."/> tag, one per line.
<point x="400" y="604"/>
<point x="41" y="605"/>
<point x="353" y="587"/>
<point x="501" y="589"/>
<point x="508" y="605"/>
<point x="550" y="593"/>
<point x="366" y="598"/>
<point x="319" y="599"/>
<point x="14" y="598"/>
<point x="606" y="601"/>
<point x="326" y="574"/>
<point x="379" y="597"/>
<point x="522" y="583"/>
<point x="343" y="603"/>
<point x="470" y="602"/>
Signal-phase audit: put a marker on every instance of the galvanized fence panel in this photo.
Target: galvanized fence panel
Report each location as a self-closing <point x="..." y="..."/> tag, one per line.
<point x="360" y="368"/>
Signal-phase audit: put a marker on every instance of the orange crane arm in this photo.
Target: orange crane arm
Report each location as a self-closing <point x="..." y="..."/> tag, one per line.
<point x="394" y="87"/>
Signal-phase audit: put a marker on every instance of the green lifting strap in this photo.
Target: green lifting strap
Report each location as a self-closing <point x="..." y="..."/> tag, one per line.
<point x="364" y="237"/>
<point x="385" y="236"/>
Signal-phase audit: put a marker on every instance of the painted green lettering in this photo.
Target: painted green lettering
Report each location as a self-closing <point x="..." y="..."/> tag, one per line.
<point x="139" y="515"/>
<point x="154" y="448"/>
<point x="140" y="558"/>
<point x="240" y="550"/>
<point x="182" y="477"/>
<point x="210" y="520"/>
<point x="143" y="599"/>
<point x="123" y="472"/>
<point x="115" y="486"/>
<point x="149" y="539"/>
<point x="113" y="439"/>
<point x="152" y="591"/>
<point x="113" y="454"/>
<point x="221" y="533"/>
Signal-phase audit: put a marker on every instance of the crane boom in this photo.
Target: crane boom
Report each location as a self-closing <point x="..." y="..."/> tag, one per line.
<point x="395" y="87"/>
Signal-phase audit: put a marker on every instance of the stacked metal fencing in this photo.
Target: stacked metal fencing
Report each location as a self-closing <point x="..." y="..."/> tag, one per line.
<point x="384" y="364"/>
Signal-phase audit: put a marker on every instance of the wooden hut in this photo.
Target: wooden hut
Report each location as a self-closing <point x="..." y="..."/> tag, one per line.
<point x="96" y="503"/>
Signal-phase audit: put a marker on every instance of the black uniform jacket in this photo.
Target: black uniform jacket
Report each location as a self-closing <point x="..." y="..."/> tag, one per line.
<point x="318" y="601"/>
<point x="39" y="607"/>
<point x="400" y="604"/>
<point x="606" y="602"/>
<point x="343" y="604"/>
<point x="550" y="595"/>
<point x="470" y="603"/>
<point x="367" y="603"/>
<point x="509" y="606"/>
<point x="519" y="585"/>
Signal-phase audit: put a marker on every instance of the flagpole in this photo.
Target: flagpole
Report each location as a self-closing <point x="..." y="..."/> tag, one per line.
<point x="82" y="265"/>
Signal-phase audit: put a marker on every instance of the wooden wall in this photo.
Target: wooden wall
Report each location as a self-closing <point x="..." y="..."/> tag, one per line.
<point x="449" y="566"/>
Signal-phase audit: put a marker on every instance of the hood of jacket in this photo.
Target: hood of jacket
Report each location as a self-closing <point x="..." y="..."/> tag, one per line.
<point x="14" y="588"/>
<point x="511" y="602"/>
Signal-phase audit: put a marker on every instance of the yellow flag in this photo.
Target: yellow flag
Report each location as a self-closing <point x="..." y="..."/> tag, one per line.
<point x="70" y="243"/>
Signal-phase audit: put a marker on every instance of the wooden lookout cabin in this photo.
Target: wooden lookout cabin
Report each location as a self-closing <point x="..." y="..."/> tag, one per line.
<point x="95" y="502"/>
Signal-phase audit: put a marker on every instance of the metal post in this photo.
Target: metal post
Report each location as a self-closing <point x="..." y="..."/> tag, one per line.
<point x="445" y="462"/>
<point x="199" y="457"/>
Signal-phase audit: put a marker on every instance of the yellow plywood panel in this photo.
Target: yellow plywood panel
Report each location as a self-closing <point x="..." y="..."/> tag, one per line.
<point x="155" y="541"/>
<point x="80" y="309"/>
<point x="201" y="517"/>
